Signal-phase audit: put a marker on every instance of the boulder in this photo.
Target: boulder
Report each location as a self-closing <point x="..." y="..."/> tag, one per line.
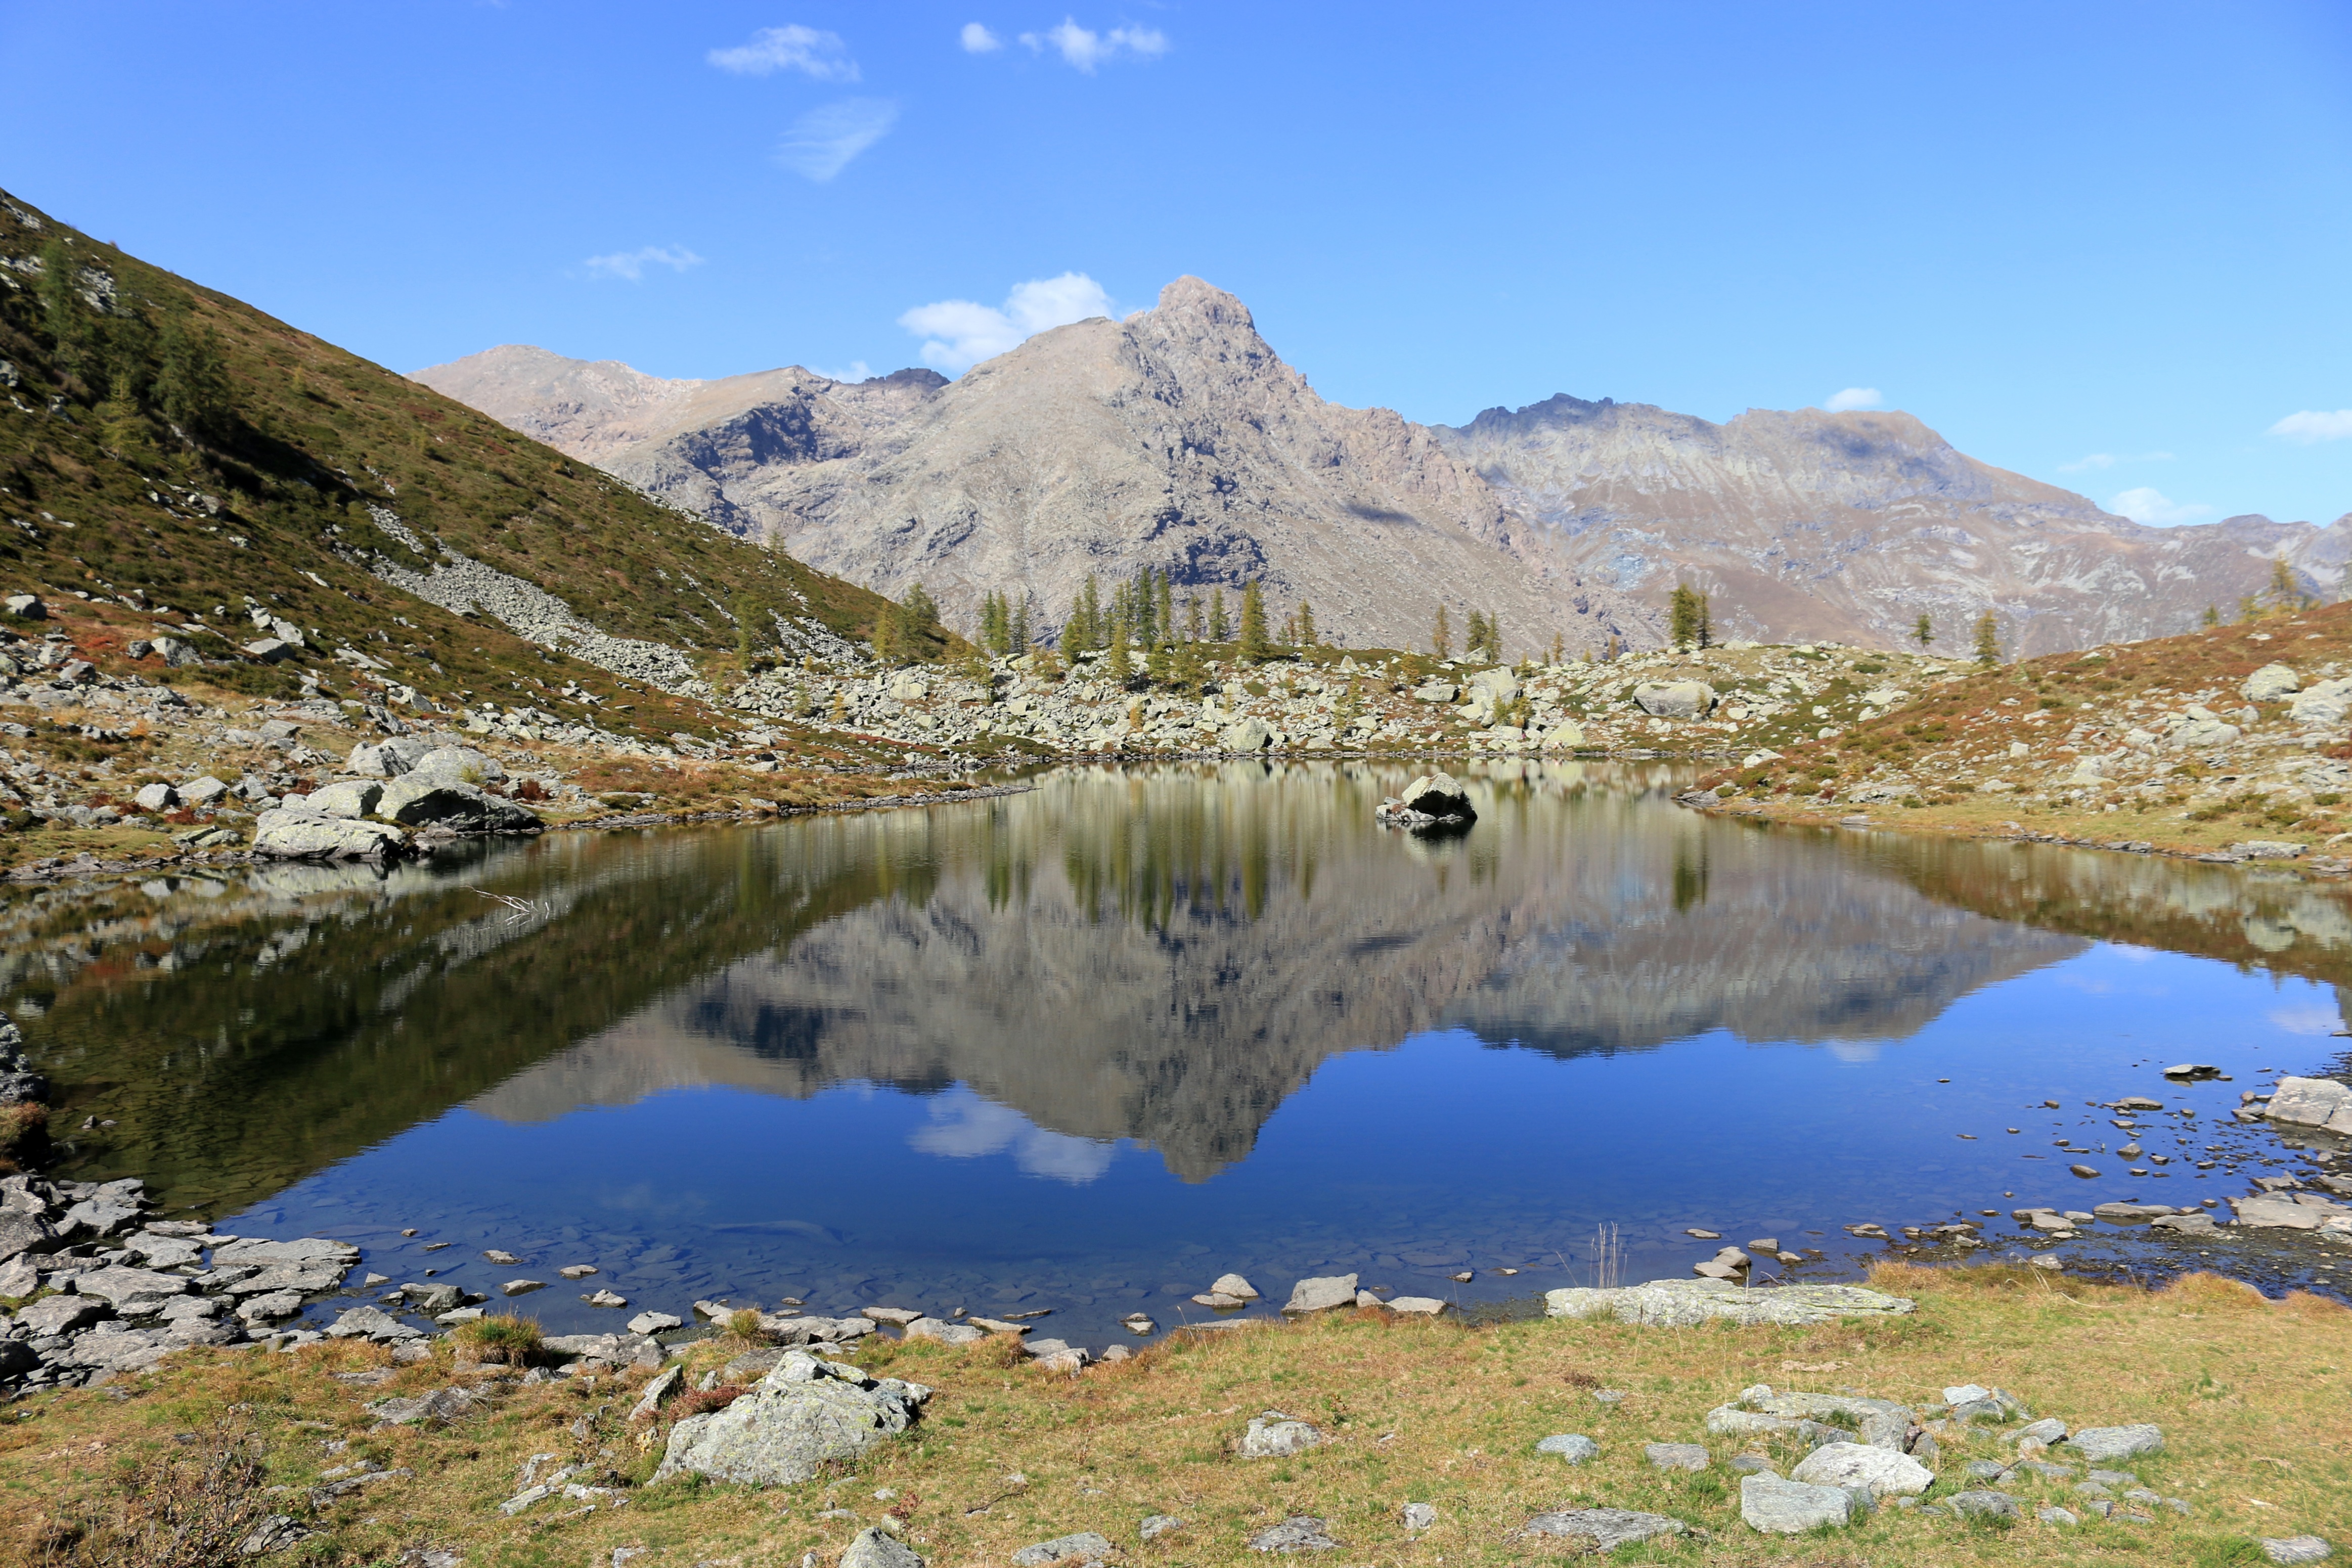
<point x="1776" y="1507"/>
<point x="1322" y="1294"/>
<point x="176" y="652"/>
<point x="944" y="1332"/>
<point x="1436" y="692"/>
<point x="157" y="798"/>
<point x="418" y="799"/>
<point x="2327" y="703"/>
<point x="371" y="1322"/>
<point x="1437" y="795"/>
<point x="1419" y="1306"/>
<point x="303" y="835"/>
<point x="202" y="792"/>
<point x="1563" y="738"/>
<point x="349" y="797"/>
<point x="1678" y="1303"/>
<point x="2287" y="1211"/>
<point x="1573" y="1446"/>
<point x="459" y="764"/>
<point x="1233" y="1285"/>
<point x="304" y="1250"/>
<point x="1492" y="688"/>
<point x="1603" y="1529"/>
<point x="1083" y="1547"/>
<point x="26" y="607"/>
<point x="1676" y="1455"/>
<point x="1247" y="735"/>
<point x="53" y="1315"/>
<point x="270" y="650"/>
<point x="1275" y="1435"/>
<point x="1675" y="699"/>
<point x="2103" y="1445"/>
<point x="1884" y="1471"/>
<point x="1982" y="1505"/>
<point x="2321" y="1102"/>
<point x="1300" y="1532"/>
<point x="2295" y="1548"/>
<point x="879" y="1549"/>
<point x="21" y="1232"/>
<point x="2270" y="683"/>
<point x="118" y="1284"/>
<point x="805" y="1415"/>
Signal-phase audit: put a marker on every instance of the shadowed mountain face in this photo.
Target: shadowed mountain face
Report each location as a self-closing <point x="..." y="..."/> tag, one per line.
<point x="1850" y="526"/>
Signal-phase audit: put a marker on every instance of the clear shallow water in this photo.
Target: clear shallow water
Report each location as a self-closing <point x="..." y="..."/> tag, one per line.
<point x="1089" y="1047"/>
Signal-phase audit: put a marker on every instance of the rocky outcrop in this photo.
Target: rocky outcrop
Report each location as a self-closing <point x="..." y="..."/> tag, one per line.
<point x="806" y="1414"/>
<point x="296" y="834"/>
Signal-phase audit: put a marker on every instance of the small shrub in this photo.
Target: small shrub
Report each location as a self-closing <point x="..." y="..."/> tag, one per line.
<point x="502" y="1337"/>
<point x="184" y="1508"/>
<point x="704" y="1401"/>
<point x="744" y="1325"/>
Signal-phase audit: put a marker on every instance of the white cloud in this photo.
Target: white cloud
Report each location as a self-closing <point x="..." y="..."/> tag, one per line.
<point x="964" y="1126"/>
<point x="1853" y="398"/>
<point x="793" y="48"/>
<point x="2108" y="460"/>
<point x="2149" y="505"/>
<point x="978" y="40"/>
<point x="858" y="371"/>
<point x="824" y="140"/>
<point x="632" y="264"/>
<point x="960" y="334"/>
<point x="1086" y="48"/>
<point x="2316" y="424"/>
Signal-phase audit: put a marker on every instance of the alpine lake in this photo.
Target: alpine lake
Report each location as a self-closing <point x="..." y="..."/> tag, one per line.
<point x="1087" y="1046"/>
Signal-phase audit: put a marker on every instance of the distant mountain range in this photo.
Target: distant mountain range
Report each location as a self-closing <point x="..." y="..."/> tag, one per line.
<point x="1177" y="439"/>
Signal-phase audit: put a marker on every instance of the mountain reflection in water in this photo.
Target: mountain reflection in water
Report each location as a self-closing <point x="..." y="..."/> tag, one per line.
<point x="828" y="1044"/>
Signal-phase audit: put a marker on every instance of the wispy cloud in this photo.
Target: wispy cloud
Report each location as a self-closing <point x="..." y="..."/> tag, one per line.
<point x="960" y="334"/>
<point x="1853" y="398"/>
<point x="2145" y="504"/>
<point x="631" y="265"/>
<point x="2103" y="460"/>
<point x="791" y="48"/>
<point x="978" y="40"/>
<point x="2316" y="424"/>
<point x="858" y="371"/>
<point x="822" y="141"/>
<point x="1085" y="49"/>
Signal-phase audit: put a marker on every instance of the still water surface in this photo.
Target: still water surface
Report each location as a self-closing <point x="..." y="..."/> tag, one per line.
<point x="1090" y="1046"/>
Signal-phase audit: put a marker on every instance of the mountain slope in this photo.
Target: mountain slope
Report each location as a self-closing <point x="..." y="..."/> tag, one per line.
<point x="347" y="503"/>
<point x="1849" y="527"/>
<point x="1175" y="439"/>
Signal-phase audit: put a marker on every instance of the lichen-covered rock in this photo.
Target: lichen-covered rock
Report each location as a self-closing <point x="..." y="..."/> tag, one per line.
<point x="1675" y="699"/>
<point x="305" y="835"/>
<point x="1678" y="1303"/>
<point x="879" y="1549"/>
<point x="1603" y="1529"/>
<point x="1885" y="1473"/>
<point x="2104" y="1445"/>
<point x="348" y="798"/>
<point x="1275" y="1436"/>
<point x="1322" y="1294"/>
<point x="2270" y="683"/>
<point x="2321" y="1102"/>
<point x="804" y="1413"/>
<point x="1776" y="1507"/>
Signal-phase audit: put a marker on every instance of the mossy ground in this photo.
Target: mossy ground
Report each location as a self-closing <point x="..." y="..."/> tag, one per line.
<point x="2249" y="1393"/>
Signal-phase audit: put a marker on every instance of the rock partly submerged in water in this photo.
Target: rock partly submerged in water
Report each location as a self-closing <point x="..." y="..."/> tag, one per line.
<point x="804" y="1413"/>
<point x="1433" y="797"/>
<point x="1677" y="1303"/>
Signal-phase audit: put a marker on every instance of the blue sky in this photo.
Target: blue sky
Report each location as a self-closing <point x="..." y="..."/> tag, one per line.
<point x="2105" y="245"/>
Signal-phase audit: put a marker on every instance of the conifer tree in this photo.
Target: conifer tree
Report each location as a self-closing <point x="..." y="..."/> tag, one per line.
<point x="2212" y="615"/>
<point x="1494" y="637"/>
<point x="747" y="617"/>
<point x="975" y="670"/>
<point x="1166" y="610"/>
<point x="1191" y="674"/>
<point x="1474" y="639"/>
<point x="885" y="638"/>
<point x="1988" y="639"/>
<point x="1016" y="636"/>
<point x="992" y="623"/>
<point x="1923" y="634"/>
<point x="1159" y="664"/>
<point x="1681" y="616"/>
<point x="1119" y="666"/>
<point x="1219" y="630"/>
<point x="1096" y="631"/>
<point x="1558" y="648"/>
<point x="1441" y="640"/>
<point x="1307" y="623"/>
<point x="1253" y="647"/>
<point x="1196" y="626"/>
<point x="1706" y="622"/>
<point x="65" y="314"/>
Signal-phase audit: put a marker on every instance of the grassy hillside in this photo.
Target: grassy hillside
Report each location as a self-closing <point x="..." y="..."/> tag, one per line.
<point x="165" y="446"/>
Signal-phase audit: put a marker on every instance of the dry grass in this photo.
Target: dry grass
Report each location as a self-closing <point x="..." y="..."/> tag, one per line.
<point x="2250" y="1393"/>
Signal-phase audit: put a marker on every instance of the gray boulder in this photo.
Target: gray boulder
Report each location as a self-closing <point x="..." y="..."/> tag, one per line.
<point x="202" y="792"/>
<point x="1085" y="1547"/>
<point x="53" y="1315"/>
<point x="1884" y="1471"/>
<point x="349" y="797"/>
<point x="1675" y="699"/>
<point x="2321" y="1102"/>
<point x="2270" y="683"/>
<point x="2294" y="1548"/>
<point x="879" y="1549"/>
<point x="157" y="798"/>
<point x="304" y="835"/>
<point x="1246" y="735"/>
<point x="1676" y="1456"/>
<point x="460" y="764"/>
<point x="1982" y="1505"/>
<point x="944" y="1332"/>
<point x="1776" y="1507"/>
<point x="419" y="800"/>
<point x="1437" y="795"/>
<point x="118" y="1284"/>
<point x="1299" y="1533"/>
<point x="21" y="1233"/>
<point x="802" y="1415"/>
<point x="1573" y="1446"/>
<point x="1603" y="1529"/>
<point x="1275" y="1436"/>
<point x="1679" y="1303"/>
<point x="2103" y="1444"/>
<point x="372" y="1322"/>
<point x="1321" y="1295"/>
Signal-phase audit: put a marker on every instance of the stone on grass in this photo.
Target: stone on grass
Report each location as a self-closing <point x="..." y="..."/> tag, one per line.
<point x="1419" y="1516"/>
<point x="1322" y="1294"/>
<point x="1603" y="1529"/>
<point x="1425" y="1306"/>
<point x="2045" y="1431"/>
<point x="1676" y="1455"/>
<point x="1679" y="1303"/>
<point x="1275" y="1435"/>
<point x="370" y="1322"/>
<point x="2058" y="1516"/>
<point x="1573" y="1446"/>
<point x="1299" y="1533"/>
<point x="349" y="797"/>
<point x="1157" y="1525"/>
<point x="1084" y="1547"/>
<point x="879" y="1549"/>
<point x="2101" y="1444"/>
<point x="659" y="1388"/>
<point x="1675" y="699"/>
<point x="2294" y="1548"/>
<point x="441" y="1405"/>
<point x="805" y="1415"/>
<point x="1884" y="1470"/>
<point x="1982" y="1505"/>
<point x="1792" y="1508"/>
